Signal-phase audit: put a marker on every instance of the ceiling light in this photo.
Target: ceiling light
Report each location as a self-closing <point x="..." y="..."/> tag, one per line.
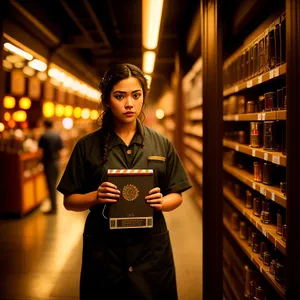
<point x="148" y="61"/>
<point x="25" y="103"/>
<point x="7" y="65"/>
<point x="18" y="51"/>
<point x="159" y="114"/>
<point x="151" y="14"/>
<point x="28" y="71"/>
<point x="9" y="102"/>
<point x="38" y="65"/>
<point x="67" y="123"/>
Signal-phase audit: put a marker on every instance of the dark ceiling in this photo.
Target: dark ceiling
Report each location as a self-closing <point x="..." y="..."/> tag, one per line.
<point x="87" y="36"/>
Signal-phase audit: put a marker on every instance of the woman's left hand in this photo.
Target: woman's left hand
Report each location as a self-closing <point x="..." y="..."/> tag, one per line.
<point x="155" y="198"/>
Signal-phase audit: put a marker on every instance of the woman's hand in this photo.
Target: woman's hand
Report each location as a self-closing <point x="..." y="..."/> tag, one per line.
<point x="155" y="198"/>
<point x="107" y="193"/>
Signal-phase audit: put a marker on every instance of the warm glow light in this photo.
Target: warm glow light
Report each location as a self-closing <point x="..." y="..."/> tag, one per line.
<point x="18" y="51"/>
<point x="149" y="79"/>
<point x="11" y="123"/>
<point x="7" y="65"/>
<point x="59" y="110"/>
<point x="68" y="81"/>
<point x="19" y="65"/>
<point x="38" y="65"/>
<point x="77" y="112"/>
<point x="85" y="113"/>
<point x="9" y="102"/>
<point x="48" y="109"/>
<point x="148" y="61"/>
<point x="42" y="76"/>
<point x="25" y="103"/>
<point x="75" y="85"/>
<point x="19" y="116"/>
<point x="14" y="59"/>
<point x="2" y="127"/>
<point x="159" y="113"/>
<point x="151" y="16"/>
<point x="28" y="71"/>
<point x="94" y="114"/>
<point x="67" y="123"/>
<point x="68" y="111"/>
<point x="7" y="116"/>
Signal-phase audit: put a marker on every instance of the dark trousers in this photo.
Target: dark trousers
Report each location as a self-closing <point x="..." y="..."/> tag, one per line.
<point x="51" y="170"/>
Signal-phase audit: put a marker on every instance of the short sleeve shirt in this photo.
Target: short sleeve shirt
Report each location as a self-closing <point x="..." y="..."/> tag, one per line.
<point x="147" y="150"/>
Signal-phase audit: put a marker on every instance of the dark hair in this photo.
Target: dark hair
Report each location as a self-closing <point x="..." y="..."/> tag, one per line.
<point x="48" y="123"/>
<point x="112" y="76"/>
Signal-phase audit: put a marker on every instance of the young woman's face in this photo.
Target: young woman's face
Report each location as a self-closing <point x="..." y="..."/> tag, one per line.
<point x="126" y="100"/>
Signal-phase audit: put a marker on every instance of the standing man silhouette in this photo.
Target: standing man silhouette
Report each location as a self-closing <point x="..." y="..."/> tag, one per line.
<point x="51" y="143"/>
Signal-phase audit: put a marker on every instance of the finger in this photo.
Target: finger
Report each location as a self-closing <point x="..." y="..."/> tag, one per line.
<point x="107" y="200"/>
<point x="157" y="206"/>
<point x="108" y="195"/>
<point x="155" y="201"/>
<point x="154" y="196"/>
<point x="109" y="190"/>
<point x="154" y="190"/>
<point x="108" y="184"/>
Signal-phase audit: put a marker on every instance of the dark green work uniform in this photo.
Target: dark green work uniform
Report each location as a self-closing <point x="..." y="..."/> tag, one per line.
<point x="134" y="264"/>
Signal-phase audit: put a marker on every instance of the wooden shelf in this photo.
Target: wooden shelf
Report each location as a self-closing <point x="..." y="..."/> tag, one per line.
<point x="274" y="157"/>
<point x="263" y="116"/>
<point x="254" y="257"/>
<point x="265" y="77"/>
<point x="193" y="143"/>
<point x="269" y="231"/>
<point x="196" y="130"/>
<point x="194" y="106"/>
<point x="195" y="157"/>
<point x="271" y="192"/>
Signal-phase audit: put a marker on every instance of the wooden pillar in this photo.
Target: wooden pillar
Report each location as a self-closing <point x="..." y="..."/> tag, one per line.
<point x="293" y="147"/>
<point x="179" y="107"/>
<point x="211" y="41"/>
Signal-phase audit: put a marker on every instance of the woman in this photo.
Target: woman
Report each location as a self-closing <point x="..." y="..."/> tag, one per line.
<point x="129" y="263"/>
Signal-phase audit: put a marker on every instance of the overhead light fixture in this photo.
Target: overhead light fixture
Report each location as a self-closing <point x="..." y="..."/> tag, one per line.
<point x="18" y="51"/>
<point x="148" y="61"/>
<point x="9" y="102"/>
<point x="151" y="14"/>
<point x="38" y="65"/>
<point x="25" y="103"/>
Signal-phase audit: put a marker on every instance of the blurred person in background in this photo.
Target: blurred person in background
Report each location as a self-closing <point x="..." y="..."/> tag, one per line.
<point x="134" y="263"/>
<point x="51" y="143"/>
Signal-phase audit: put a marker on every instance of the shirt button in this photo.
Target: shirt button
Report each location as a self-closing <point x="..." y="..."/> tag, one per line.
<point x="129" y="151"/>
<point x="130" y="269"/>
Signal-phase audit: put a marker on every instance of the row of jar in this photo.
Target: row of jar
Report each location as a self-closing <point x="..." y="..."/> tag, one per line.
<point x="269" y="101"/>
<point x="259" y="244"/>
<point x="264" y="53"/>
<point x="267" y="210"/>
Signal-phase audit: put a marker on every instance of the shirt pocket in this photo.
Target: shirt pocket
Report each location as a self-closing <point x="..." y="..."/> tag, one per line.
<point x="158" y="164"/>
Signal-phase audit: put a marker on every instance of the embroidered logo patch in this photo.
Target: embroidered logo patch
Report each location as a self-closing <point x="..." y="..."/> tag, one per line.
<point x="130" y="192"/>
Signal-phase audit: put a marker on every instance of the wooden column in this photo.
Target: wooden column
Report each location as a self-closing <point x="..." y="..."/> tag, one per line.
<point x="179" y="107"/>
<point x="293" y="147"/>
<point x="211" y="41"/>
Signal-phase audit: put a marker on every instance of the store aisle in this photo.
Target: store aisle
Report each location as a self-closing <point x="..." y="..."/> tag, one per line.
<point x="40" y="255"/>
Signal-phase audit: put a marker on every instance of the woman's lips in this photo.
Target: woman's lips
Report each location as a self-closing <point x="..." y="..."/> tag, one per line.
<point x="129" y="114"/>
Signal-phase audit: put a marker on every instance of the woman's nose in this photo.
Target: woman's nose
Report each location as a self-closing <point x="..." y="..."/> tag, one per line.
<point x="129" y="102"/>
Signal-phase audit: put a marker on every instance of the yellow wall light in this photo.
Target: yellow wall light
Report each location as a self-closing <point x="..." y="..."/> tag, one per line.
<point x="48" y="109"/>
<point x="59" y="110"/>
<point x="159" y="114"/>
<point x="38" y="65"/>
<point x="9" y="102"/>
<point x="68" y="111"/>
<point x="77" y="112"/>
<point x="19" y="116"/>
<point x="151" y="17"/>
<point x="67" y="123"/>
<point x="18" y="51"/>
<point x="7" y="116"/>
<point x="148" y="61"/>
<point x="94" y="114"/>
<point x="25" y="103"/>
<point x="2" y="127"/>
<point x="85" y="113"/>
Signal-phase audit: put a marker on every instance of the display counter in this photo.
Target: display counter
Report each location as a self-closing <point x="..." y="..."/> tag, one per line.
<point x="23" y="185"/>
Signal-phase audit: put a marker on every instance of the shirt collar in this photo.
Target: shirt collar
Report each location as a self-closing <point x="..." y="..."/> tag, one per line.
<point x="138" y="138"/>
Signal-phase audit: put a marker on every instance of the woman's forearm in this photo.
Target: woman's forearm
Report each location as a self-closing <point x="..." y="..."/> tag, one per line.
<point x="171" y="201"/>
<point x="80" y="202"/>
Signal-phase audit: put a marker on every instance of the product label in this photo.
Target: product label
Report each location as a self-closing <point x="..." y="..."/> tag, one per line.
<point x="249" y="83"/>
<point x="276" y="159"/>
<point x="262" y="190"/>
<point x="265" y="156"/>
<point x="273" y="196"/>
<point x="271" y="74"/>
<point x="276" y="72"/>
<point x="259" y="79"/>
<point x="263" y="116"/>
<point x="253" y="152"/>
<point x="259" y="117"/>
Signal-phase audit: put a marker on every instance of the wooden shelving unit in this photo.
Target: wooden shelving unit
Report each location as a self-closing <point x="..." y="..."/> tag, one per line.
<point x="274" y="157"/>
<point x="265" y="77"/>
<point x="254" y="257"/>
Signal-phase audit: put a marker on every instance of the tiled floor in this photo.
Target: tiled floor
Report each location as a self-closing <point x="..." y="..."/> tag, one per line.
<point x="40" y="255"/>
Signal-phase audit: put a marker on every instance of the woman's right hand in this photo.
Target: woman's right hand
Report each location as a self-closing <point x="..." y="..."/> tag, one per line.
<point x="107" y="193"/>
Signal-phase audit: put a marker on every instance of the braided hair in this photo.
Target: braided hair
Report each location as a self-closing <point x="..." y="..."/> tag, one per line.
<point x="112" y="76"/>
